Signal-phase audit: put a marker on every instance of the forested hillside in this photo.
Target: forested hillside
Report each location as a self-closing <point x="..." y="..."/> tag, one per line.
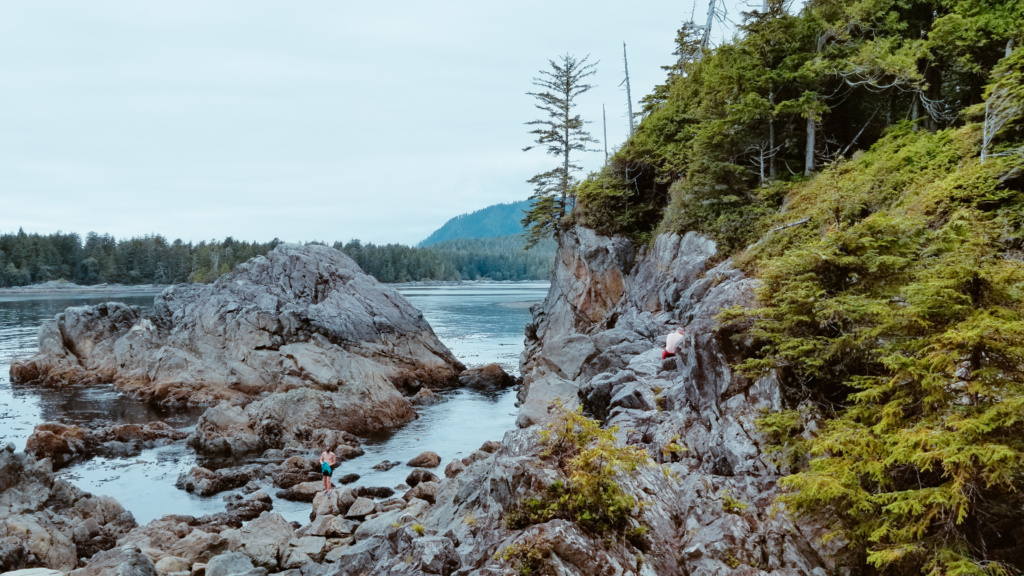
<point x="865" y="160"/>
<point x="464" y="259"/>
<point x="491" y="222"/>
<point x="34" y="258"/>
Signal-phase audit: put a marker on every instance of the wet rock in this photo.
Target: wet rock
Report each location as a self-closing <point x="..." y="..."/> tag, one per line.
<point x="64" y="444"/>
<point x="453" y="468"/>
<point x="295" y="470"/>
<point x="346" y="452"/>
<point x="298" y="317"/>
<point x="490" y="446"/>
<point x="374" y="492"/>
<point x="427" y="459"/>
<point x="206" y="482"/>
<point x="489" y="377"/>
<point x="475" y="456"/>
<point x="245" y="508"/>
<point x="347" y="478"/>
<point x="385" y="465"/>
<point x="425" y="397"/>
<point x="420" y="475"/>
<point x="304" y="492"/>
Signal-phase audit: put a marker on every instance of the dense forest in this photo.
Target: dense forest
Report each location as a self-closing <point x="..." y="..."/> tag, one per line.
<point x="34" y="258"/>
<point x="865" y="160"/>
<point x="491" y="222"/>
<point x="464" y="259"/>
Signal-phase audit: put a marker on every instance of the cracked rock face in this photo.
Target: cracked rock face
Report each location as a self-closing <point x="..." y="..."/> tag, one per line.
<point x="301" y="317"/>
<point x="47" y="522"/>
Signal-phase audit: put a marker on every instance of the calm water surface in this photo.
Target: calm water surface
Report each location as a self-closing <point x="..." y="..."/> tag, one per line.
<point x="479" y="322"/>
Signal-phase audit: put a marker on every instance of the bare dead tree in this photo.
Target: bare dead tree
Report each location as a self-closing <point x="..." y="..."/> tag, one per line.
<point x="1004" y="104"/>
<point x="762" y="156"/>
<point x="629" y="97"/>
<point x="604" y="122"/>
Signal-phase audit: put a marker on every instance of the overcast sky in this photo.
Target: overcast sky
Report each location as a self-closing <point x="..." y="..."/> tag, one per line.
<point x="308" y="120"/>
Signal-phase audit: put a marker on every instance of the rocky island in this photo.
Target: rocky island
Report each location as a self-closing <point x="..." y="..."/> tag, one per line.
<point x="302" y="321"/>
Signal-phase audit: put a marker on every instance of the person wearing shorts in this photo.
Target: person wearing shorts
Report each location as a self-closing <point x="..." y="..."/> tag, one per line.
<point x="327" y="463"/>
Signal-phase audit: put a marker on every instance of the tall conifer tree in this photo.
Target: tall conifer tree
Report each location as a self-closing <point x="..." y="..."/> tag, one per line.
<point x="561" y="133"/>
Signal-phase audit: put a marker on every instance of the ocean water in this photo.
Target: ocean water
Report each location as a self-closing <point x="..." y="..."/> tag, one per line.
<point x="479" y="322"/>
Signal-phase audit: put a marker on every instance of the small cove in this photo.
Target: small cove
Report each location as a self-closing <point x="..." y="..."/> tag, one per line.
<point x="479" y="322"/>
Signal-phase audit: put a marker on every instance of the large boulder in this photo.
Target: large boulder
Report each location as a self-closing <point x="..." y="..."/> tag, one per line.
<point x="301" y="317"/>
<point x="489" y="377"/>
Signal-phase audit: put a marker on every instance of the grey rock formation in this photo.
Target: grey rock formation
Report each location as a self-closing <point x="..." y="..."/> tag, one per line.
<point x="597" y="340"/>
<point x="301" y="317"/>
<point x="47" y="522"/>
<point x="123" y="561"/>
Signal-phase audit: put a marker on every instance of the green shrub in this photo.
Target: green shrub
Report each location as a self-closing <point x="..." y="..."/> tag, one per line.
<point x="591" y="458"/>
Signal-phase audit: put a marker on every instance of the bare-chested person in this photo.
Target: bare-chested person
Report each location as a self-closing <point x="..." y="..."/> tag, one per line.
<point x="327" y="463"/>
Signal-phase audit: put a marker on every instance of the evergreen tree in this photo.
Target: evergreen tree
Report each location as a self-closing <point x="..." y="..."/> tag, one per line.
<point x="561" y="133"/>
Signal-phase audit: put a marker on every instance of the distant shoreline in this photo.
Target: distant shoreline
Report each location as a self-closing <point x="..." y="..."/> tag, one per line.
<point x="70" y="289"/>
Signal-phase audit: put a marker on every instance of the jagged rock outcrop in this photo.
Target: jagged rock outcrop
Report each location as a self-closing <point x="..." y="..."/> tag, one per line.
<point x="301" y="317"/>
<point x="597" y="339"/>
<point x="47" y="522"/>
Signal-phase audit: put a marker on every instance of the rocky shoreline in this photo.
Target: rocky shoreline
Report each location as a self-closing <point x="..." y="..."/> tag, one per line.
<point x="708" y="494"/>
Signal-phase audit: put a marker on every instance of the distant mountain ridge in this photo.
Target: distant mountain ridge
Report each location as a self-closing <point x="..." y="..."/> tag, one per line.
<point x="490" y="222"/>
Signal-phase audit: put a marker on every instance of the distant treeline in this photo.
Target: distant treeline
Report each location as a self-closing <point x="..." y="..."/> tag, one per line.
<point x="101" y="259"/>
<point x="464" y="259"/>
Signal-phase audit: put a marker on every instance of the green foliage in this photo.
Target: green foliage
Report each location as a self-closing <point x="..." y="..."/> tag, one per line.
<point x="732" y="505"/>
<point x="729" y="124"/>
<point x="33" y="258"/>
<point x="527" y="556"/>
<point x="899" y="306"/>
<point x="590" y="458"/>
<point x="418" y="529"/>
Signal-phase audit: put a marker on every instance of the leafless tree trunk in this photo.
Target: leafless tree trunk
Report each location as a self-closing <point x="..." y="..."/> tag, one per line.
<point x="629" y="98"/>
<point x="809" y="155"/>
<point x="771" y="133"/>
<point x="604" y="121"/>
